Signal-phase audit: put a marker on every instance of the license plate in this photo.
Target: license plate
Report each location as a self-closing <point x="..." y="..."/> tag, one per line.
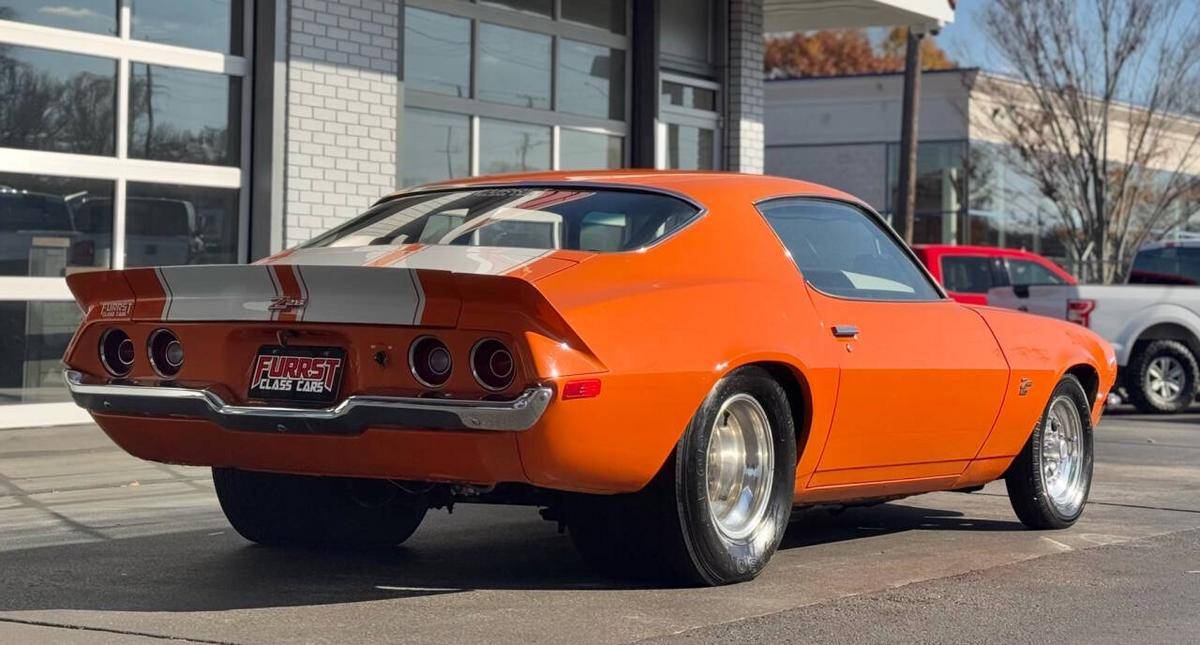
<point x="297" y="374"/>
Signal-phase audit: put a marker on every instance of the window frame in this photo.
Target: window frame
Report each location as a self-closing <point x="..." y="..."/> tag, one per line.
<point x="874" y="217"/>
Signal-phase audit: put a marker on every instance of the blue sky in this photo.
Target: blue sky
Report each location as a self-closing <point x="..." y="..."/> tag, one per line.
<point x="964" y="39"/>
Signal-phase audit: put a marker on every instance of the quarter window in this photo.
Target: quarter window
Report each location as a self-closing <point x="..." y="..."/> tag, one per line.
<point x="843" y="252"/>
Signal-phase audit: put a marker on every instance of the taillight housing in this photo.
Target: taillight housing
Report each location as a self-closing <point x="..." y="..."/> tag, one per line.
<point x="1080" y="311"/>
<point x="493" y="365"/>
<point x="117" y="352"/>
<point x="165" y="352"/>
<point x="430" y="361"/>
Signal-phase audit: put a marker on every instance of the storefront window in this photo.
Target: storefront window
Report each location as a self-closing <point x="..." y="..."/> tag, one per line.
<point x="591" y="80"/>
<point x="506" y="146"/>
<point x="605" y="14"/>
<point x="940" y="190"/>
<point x="437" y="146"/>
<point x="184" y="115"/>
<point x="214" y="25"/>
<point x="588" y="150"/>
<point x="541" y="7"/>
<point x="437" y="53"/>
<point x="92" y="16"/>
<point x="690" y="148"/>
<point x="33" y="338"/>
<point x="57" y="101"/>
<point x="52" y="226"/>
<point x="171" y="225"/>
<point x="514" y="67"/>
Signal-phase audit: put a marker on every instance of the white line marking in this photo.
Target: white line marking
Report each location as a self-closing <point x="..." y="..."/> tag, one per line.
<point x="1064" y="547"/>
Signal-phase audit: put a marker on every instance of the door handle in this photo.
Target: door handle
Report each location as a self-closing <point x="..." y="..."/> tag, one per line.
<point x="845" y="331"/>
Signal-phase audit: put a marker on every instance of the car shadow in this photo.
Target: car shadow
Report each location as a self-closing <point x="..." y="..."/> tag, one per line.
<point x="217" y="570"/>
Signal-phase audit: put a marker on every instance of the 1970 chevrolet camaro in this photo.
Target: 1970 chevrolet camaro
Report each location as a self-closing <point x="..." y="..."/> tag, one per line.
<point x="668" y="363"/>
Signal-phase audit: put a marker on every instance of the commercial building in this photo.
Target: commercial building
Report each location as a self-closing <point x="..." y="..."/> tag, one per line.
<point x="841" y="131"/>
<point x="147" y="132"/>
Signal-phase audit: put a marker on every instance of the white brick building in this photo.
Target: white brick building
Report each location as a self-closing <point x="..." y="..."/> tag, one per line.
<point x="150" y="133"/>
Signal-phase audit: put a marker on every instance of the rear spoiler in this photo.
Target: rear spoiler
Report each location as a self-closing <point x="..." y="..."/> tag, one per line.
<point x="317" y="294"/>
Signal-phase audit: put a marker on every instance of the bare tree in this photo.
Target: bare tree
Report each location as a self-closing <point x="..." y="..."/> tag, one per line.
<point x="1101" y="116"/>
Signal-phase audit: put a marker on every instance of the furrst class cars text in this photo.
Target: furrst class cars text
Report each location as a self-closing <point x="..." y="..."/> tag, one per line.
<point x="666" y="362"/>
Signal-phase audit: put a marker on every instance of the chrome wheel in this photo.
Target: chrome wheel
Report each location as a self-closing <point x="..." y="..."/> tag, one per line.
<point x="739" y="467"/>
<point x="1165" y="379"/>
<point x="1063" y="475"/>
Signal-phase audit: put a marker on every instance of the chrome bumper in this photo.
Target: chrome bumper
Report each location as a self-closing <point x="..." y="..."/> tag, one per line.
<point x="349" y="417"/>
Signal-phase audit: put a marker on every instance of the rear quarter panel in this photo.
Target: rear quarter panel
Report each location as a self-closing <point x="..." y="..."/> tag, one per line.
<point x="667" y="324"/>
<point x="1041" y="351"/>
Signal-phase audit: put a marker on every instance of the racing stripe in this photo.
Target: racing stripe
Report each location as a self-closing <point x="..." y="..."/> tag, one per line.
<point x="288" y="284"/>
<point x="391" y="257"/>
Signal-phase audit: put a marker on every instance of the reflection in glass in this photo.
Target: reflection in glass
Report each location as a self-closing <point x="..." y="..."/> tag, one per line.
<point x="542" y="7"/>
<point x="170" y="225"/>
<point x="505" y="146"/>
<point x="436" y="146"/>
<point x="437" y="53"/>
<point x="183" y="115"/>
<point x="940" y="190"/>
<point x="605" y="14"/>
<point x="690" y="148"/>
<point x="47" y="228"/>
<point x="591" y="80"/>
<point x="212" y="24"/>
<point x="92" y="16"/>
<point x="688" y="96"/>
<point x="580" y="150"/>
<point x="514" y="67"/>
<point x="57" y="102"/>
<point x="33" y="339"/>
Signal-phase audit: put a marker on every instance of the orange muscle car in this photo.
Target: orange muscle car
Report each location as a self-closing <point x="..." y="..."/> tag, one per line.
<point x="667" y="362"/>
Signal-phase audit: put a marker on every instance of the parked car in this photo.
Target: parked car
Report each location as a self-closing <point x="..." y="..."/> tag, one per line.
<point x="36" y="233"/>
<point x="1153" y="322"/>
<point x="668" y="386"/>
<point x="158" y="231"/>
<point x="968" y="272"/>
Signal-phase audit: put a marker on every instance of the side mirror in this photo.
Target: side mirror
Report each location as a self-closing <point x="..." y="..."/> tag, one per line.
<point x="1021" y="290"/>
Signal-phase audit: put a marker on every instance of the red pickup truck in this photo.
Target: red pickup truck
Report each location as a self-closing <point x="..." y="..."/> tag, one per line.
<point x="967" y="272"/>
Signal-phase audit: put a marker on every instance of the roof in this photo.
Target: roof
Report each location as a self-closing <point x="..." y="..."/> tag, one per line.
<point x="705" y="187"/>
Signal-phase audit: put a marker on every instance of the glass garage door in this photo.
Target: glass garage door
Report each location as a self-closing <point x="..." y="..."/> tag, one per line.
<point x="123" y="142"/>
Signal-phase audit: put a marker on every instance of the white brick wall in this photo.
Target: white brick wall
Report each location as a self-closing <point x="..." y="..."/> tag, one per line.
<point x="744" y="149"/>
<point x="341" y="101"/>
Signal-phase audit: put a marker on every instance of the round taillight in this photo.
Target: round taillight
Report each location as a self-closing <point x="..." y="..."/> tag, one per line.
<point x="116" y="352"/>
<point x="165" y="352"/>
<point x="430" y="361"/>
<point x="492" y="364"/>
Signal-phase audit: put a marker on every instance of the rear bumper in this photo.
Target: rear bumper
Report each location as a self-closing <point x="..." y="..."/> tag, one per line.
<point x="350" y="417"/>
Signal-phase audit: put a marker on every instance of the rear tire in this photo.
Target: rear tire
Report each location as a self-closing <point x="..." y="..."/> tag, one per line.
<point x="716" y="512"/>
<point x="275" y="509"/>
<point x="1049" y="482"/>
<point x="1161" y="377"/>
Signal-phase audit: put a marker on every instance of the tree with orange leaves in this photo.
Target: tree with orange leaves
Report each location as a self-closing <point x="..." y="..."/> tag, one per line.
<point x="838" y="52"/>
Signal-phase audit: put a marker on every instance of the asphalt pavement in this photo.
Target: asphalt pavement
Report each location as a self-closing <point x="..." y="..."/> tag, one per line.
<point x="97" y="547"/>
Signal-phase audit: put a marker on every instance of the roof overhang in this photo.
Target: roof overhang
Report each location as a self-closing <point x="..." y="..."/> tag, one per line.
<point x="805" y="15"/>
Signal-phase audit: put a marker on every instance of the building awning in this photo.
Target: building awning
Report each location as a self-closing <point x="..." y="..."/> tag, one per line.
<point x="805" y="15"/>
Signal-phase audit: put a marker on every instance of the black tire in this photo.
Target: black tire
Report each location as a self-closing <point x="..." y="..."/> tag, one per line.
<point x="665" y="532"/>
<point x="1027" y="486"/>
<point x="1137" y="377"/>
<point x="281" y="510"/>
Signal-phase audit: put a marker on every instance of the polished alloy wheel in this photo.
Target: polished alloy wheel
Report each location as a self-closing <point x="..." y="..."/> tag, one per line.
<point x="1062" y="456"/>
<point x="1165" y="379"/>
<point x="739" y="467"/>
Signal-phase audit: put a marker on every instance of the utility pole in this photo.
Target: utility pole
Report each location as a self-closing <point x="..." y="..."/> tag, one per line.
<point x="908" y="133"/>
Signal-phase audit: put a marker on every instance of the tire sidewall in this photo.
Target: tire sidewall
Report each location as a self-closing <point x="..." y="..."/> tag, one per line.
<point x="1177" y="351"/>
<point x="718" y="559"/>
<point x="1070" y="387"/>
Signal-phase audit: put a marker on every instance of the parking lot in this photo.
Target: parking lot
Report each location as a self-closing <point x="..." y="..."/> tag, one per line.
<point x="98" y="547"/>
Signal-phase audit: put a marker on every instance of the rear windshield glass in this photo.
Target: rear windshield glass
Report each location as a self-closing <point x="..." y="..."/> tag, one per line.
<point x="605" y="220"/>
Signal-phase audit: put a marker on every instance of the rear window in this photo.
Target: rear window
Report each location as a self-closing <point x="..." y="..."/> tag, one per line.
<point x="33" y="212"/>
<point x="592" y="219"/>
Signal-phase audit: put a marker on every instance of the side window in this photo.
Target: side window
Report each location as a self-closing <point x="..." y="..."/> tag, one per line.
<point x="1024" y="272"/>
<point x="844" y="252"/>
<point x="967" y="274"/>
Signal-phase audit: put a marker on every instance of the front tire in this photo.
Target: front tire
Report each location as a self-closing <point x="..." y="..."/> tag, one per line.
<point x="1049" y="482"/>
<point x="1162" y="377"/>
<point x="717" y="511"/>
<point x="279" y="510"/>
